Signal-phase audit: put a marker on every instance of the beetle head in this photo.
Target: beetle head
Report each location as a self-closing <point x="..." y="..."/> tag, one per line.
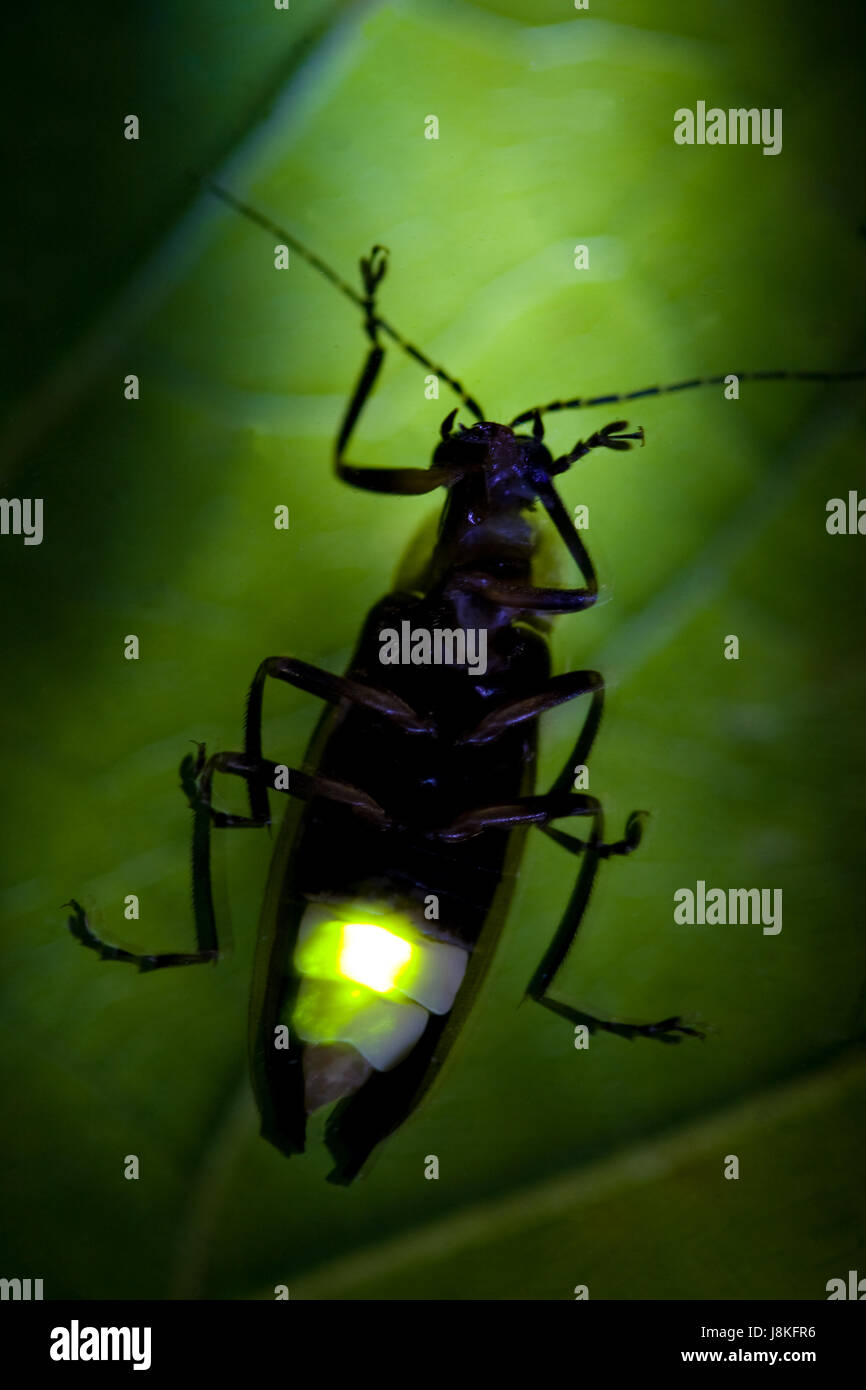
<point x="504" y="460"/>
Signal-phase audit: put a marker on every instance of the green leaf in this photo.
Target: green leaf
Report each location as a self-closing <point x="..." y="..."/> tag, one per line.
<point x="557" y="1166"/>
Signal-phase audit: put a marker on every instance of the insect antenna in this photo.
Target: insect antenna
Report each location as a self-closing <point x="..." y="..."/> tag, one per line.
<point x="580" y="401"/>
<point x="339" y="283"/>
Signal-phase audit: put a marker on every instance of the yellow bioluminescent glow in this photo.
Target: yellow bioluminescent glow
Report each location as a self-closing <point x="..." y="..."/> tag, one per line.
<point x="372" y="956"/>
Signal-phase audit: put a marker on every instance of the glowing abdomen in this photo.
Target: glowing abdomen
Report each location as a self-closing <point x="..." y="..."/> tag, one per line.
<point x="369" y="982"/>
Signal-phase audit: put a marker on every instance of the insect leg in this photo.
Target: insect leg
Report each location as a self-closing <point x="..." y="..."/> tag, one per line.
<point x="191" y="773"/>
<point x="540" y="810"/>
<point x="593" y="850"/>
<point x="196" y="779"/>
<point x="668" y="1030"/>
<point x="557" y="690"/>
<point x="326" y="686"/>
<point x="408" y="481"/>
<point x="536" y="810"/>
<point x="611" y="437"/>
<point x="289" y="780"/>
<point x="510" y="593"/>
<point x="83" y="932"/>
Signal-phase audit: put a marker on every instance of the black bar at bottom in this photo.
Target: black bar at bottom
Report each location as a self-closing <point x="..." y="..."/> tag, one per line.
<point x="256" y="1339"/>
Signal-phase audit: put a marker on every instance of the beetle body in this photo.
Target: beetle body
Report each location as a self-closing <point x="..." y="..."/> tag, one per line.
<point x="426" y="781"/>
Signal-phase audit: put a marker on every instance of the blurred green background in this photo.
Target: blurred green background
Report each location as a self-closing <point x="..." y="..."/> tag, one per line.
<point x="558" y="1167"/>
